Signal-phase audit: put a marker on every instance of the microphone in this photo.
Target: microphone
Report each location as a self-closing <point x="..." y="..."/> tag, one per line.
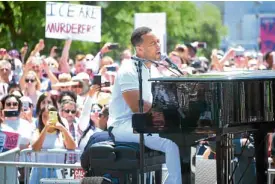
<point x="171" y="63"/>
<point x="138" y="59"/>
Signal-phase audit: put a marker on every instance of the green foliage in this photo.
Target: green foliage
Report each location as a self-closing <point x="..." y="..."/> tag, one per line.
<point x="25" y="21"/>
<point x="210" y="29"/>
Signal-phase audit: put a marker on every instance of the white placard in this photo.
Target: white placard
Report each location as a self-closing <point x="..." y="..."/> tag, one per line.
<point x="155" y="21"/>
<point x="73" y="21"/>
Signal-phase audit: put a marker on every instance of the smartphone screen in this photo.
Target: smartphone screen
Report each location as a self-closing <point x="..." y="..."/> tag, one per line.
<point x="11" y="113"/>
<point x="113" y="46"/>
<point x="53" y="118"/>
<point x="111" y="68"/>
<point x="97" y="80"/>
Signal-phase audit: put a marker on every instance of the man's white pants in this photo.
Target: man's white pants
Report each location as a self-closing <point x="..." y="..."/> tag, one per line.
<point x="124" y="133"/>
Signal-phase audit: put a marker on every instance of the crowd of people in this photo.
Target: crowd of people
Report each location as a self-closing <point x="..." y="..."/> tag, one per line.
<point x="53" y="101"/>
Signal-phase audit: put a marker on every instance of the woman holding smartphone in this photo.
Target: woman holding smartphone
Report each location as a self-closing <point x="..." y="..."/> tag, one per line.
<point x="11" y="108"/>
<point x="51" y="134"/>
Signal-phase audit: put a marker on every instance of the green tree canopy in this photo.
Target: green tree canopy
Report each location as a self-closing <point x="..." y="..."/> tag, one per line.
<point x="25" y="21"/>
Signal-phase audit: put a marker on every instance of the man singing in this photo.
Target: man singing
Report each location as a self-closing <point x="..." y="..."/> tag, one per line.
<point x="125" y="101"/>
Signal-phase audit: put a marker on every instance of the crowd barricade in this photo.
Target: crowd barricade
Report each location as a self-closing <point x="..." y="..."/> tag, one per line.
<point x="9" y="173"/>
<point x="67" y="172"/>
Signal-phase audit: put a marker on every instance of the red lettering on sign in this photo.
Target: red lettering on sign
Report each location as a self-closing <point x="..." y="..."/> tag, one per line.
<point x="79" y="28"/>
<point x="69" y="28"/>
<point x="88" y="28"/>
<point x="79" y="173"/>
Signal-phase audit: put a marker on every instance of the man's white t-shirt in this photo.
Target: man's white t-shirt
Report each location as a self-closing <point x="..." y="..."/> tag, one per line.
<point x="127" y="80"/>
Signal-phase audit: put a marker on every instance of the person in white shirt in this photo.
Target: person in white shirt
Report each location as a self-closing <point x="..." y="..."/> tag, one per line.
<point x="125" y="101"/>
<point x="11" y="118"/>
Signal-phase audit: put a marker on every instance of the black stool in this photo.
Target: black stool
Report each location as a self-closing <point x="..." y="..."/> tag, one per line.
<point x="121" y="161"/>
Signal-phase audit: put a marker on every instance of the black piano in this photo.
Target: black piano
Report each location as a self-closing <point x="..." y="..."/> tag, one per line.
<point x="216" y="103"/>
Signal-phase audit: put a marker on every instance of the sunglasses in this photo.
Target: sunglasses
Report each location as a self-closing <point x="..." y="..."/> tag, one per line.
<point x="89" y="59"/>
<point x="29" y="80"/>
<point x="14" y="104"/>
<point x="68" y="111"/>
<point x="95" y="110"/>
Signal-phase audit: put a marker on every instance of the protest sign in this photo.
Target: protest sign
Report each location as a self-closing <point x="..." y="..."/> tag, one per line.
<point x="73" y="21"/>
<point x="8" y="140"/>
<point x="267" y="33"/>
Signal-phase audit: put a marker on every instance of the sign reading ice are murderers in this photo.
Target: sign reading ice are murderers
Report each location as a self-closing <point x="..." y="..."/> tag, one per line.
<point x="73" y="21"/>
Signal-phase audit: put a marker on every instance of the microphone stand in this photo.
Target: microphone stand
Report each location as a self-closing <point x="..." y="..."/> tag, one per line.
<point x="176" y="68"/>
<point x="141" y="136"/>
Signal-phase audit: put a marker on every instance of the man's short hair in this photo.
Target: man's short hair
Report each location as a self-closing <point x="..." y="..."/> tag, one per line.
<point x="65" y="102"/>
<point x="136" y="37"/>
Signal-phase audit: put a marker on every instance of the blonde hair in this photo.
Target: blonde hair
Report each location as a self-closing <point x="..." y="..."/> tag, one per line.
<point x="38" y="83"/>
<point x="106" y="59"/>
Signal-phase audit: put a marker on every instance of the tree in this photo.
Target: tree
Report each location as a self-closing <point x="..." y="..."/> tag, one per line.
<point x="209" y="27"/>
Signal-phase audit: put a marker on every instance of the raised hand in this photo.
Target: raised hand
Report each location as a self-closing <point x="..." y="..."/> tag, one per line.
<point x="105" y="48"/>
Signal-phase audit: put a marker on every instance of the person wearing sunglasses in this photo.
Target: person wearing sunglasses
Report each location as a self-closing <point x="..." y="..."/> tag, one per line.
<point x="68" y="112"/>
<point x="31" y="86"/>
<point x="95" y="126"/>
<point x="95" y="110"/>
<point x="11" y="108"/>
